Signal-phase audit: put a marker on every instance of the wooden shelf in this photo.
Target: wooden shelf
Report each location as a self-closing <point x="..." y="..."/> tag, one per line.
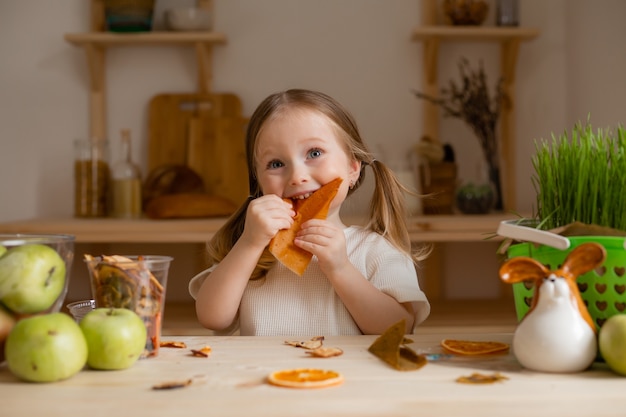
<point x="96" y="42"/>
<point x="509" y="39"/>
<point x="110" y="39"/>
<point x="456" y="228"/>
<point x="444" y="228"/>
<point x="473" y="33"/>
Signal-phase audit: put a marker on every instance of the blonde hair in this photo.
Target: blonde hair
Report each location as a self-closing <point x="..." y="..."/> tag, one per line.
<point x="387" y="212"/>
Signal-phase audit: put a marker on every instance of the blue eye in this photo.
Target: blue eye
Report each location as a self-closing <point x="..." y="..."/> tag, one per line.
<point x="274" y="164"/>
<point x="315" y="153"/>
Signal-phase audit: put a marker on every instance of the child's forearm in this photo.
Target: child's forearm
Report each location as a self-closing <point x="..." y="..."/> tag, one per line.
<point x="372" y="310"/>
<point x="219" y="296"/>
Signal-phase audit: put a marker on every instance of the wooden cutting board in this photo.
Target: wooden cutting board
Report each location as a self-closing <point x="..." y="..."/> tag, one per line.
<point x="205" y="132"/>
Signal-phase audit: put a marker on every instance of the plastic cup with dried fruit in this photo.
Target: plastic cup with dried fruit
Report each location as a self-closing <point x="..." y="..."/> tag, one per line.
<point x="137" y="283"/>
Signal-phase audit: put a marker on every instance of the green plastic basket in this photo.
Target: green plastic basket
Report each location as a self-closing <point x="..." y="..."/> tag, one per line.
<point x="603" y="290"/>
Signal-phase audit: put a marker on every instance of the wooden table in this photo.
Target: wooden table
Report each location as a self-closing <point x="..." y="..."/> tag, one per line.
<point x="231" y="382"/>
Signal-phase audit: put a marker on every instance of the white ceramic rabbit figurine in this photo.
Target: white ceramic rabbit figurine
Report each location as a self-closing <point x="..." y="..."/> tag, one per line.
<point x="557" y="334"/>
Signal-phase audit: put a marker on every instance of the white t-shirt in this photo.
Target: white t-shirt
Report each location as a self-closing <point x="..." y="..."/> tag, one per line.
<point x="285" y="304"/>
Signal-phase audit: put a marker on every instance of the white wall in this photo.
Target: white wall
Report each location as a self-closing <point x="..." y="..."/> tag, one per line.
<point x="356" y="50"/>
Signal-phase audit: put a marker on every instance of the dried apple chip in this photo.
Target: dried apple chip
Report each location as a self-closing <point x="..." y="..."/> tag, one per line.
<point x="325" y="352"/>
<point x="478" y="378"/>
<point x="172" y="385"/>
<point x="314" y="343"/>
<point x="204" y="352"/>
<point x="314" y="207"/>
<point x="172" y="344"/>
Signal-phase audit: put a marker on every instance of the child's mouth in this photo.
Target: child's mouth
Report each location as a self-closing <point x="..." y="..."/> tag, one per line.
<point x="302" y="196"/>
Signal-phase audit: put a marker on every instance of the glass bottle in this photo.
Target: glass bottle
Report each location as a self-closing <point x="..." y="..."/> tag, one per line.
<point x="507" y="13"/>
<point x="125" y="183"/>
<point x="91" y="178"/>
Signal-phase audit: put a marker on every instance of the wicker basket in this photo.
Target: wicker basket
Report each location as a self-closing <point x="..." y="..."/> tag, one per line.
<point x="438" y="184"/>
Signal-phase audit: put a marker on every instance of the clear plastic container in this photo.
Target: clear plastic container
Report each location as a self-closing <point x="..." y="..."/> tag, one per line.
<point x="79" y="309"/>
<point x="137" y="283"/>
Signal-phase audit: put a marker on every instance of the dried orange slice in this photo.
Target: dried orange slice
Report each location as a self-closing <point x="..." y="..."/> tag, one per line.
<point x="470" y="347"/>
<point x="305" y="378"/>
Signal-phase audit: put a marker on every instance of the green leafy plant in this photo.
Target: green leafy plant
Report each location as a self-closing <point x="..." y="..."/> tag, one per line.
<point x="580" y="177"/>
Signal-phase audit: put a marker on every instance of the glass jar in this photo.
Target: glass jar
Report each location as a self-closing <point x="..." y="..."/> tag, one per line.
<point x="507" y="13"/>
<point x="91" y="178"/>
<point x="125" y="183"/>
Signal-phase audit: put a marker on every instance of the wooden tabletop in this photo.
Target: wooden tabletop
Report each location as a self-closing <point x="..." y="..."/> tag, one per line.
<point x="232" y="382"/>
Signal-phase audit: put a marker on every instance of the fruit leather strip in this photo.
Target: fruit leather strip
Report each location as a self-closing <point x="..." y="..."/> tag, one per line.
<point x="314" y="207"/>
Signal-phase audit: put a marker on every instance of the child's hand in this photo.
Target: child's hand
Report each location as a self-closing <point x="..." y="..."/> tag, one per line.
<point x="326" y="241"/>
<point x="265" y="216"/>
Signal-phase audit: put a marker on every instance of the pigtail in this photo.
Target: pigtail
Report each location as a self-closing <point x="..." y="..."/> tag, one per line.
<point x="225" y="238"/>
<point x="388" y="213"/>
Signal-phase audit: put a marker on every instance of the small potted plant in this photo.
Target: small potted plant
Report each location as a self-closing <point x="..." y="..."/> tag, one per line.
<point x="473" y="198"/>
<point x="579" y="179"/>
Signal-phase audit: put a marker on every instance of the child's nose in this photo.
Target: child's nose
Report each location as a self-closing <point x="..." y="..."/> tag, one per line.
<point x="298" y="174"/>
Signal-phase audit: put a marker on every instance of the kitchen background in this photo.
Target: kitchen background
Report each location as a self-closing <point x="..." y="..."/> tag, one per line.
<point x="359" y="51"/>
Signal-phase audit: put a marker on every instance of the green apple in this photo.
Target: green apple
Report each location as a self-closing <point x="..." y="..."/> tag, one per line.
<point x="46" y="348"/>
<point x="116" y="337"/>
<point x="31" y="278"/>
<point x="612" y="343"/>
<point x="3" y="249"/>
<point x="7" y="321"/>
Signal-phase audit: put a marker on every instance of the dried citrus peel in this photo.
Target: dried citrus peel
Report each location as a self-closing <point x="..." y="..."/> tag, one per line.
<point x="390" y="348"/>
<point x="314" y="207"/>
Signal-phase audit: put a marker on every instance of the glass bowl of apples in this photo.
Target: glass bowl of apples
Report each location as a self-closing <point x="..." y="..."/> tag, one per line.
<point x="34" y="272"/>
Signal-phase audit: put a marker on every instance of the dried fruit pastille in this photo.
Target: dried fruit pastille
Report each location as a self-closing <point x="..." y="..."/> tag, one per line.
<point x="314" y="207"/>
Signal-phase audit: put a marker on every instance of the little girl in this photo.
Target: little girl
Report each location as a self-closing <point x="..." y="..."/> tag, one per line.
<point x="361" y="280"/>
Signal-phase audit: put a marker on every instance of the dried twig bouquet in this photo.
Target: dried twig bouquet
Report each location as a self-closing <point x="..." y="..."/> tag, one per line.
<point x="470" y="101"/>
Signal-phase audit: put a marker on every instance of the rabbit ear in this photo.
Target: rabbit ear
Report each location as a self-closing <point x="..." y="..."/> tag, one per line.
<point x="522" y="268"/>
<point x="583" y="259"/>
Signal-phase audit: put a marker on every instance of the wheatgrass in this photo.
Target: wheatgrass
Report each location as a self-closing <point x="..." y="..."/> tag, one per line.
<point x="581" y="176"/>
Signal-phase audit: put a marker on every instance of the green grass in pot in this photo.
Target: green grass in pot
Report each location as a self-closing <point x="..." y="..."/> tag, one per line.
<point x="581" y="177"/>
